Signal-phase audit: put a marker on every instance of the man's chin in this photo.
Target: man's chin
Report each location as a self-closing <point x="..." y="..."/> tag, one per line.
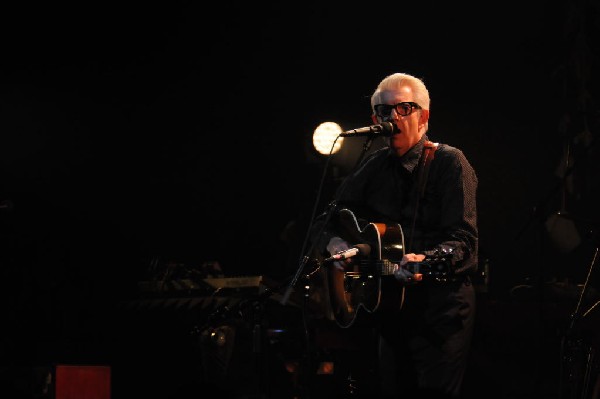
<point x="398" y="151"/>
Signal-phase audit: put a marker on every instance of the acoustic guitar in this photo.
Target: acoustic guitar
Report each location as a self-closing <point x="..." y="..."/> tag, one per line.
<point x="358" y="285"/>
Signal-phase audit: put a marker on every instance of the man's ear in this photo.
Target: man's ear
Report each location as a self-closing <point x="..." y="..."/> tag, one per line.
<point x="374" y="119"/>
<point x="424" y="116"/>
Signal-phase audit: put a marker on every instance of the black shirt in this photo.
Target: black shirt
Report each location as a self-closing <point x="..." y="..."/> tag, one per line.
<point x="384" y="189"/>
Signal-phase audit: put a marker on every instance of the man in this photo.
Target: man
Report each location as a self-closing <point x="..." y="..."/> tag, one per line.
<point x="429" y="190"/>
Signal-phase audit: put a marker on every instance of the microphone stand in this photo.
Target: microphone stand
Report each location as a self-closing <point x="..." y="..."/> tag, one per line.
<point x="329" y="213"/>
<point x="306" y="253"/>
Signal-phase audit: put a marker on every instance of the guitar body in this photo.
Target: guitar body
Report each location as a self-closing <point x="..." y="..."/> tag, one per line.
<point x="357" y="288"/>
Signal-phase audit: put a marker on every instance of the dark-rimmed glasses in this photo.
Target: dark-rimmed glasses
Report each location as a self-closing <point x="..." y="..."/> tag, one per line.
<point x="402" y="109"/>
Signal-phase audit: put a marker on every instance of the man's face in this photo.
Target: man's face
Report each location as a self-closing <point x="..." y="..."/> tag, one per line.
<point x="410" y="127"/>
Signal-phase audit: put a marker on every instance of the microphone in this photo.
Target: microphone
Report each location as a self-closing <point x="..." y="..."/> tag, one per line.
<point x="384" y="129"/>
<point x="358" y="249"/>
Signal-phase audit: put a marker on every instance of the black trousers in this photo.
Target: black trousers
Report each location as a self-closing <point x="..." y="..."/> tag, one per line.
<point x="423" y="347"/>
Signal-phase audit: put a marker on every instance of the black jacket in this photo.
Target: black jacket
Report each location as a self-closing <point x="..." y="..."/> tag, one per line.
<point x="384" y="189"/>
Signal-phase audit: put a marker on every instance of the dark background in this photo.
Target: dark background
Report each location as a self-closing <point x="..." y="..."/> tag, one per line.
<point x="181" y="132"/>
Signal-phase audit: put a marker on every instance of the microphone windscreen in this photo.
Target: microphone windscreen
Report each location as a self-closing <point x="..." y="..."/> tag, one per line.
<point x="388" y="128"/>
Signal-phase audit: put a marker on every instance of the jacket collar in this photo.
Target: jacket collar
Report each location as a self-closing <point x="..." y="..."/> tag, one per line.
<point x="410" y="160"/>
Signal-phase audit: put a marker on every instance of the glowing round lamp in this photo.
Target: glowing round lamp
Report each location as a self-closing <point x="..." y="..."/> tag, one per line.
<point x="324" y="137"/>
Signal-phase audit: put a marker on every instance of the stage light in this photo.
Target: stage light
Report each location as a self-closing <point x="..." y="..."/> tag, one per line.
<point x="324" y="137"/>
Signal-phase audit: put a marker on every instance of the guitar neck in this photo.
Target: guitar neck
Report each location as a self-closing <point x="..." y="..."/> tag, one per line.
<point x="437" y="268"/>
<point x="387" y="267"/>
<point x="382" y="267"/>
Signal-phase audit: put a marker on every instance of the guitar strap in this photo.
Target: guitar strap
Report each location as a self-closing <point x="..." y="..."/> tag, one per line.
<point x="428" y="154"/>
